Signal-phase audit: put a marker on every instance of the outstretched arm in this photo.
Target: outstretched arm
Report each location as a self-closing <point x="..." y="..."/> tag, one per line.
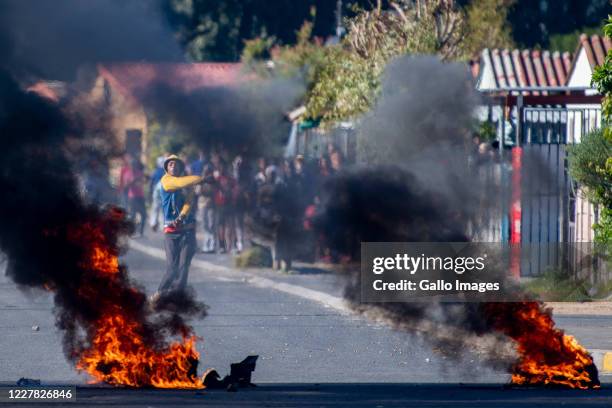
<point x="172" y="183"/>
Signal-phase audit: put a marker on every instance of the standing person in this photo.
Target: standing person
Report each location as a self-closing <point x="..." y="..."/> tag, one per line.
<point x="209" y="185"/>
<point x="239" y="202"/>
<point x="287" y="215"/>
<point x="95" y="185"/>
<point x="135" y="180"/>
<point x="196" y="167"/>
<point x="286" y="171"/>
<point x="335" y="161"/>
<point x="260" y="173"/>
<point x="300" y="181"/>
<point x="323" y="173"/>
<point x="155" y="193"/>
<point x="179" y="224"/>
<point x="124" y="172"/>
<point x="223" y="208"/>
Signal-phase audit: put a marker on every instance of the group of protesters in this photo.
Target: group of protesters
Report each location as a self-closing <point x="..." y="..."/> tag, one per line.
<point x="267" y="202"/>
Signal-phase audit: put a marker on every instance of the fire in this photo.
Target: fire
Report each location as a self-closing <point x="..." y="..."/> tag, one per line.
<point x="120" y="356"/>
<point x="547" y="356"/>
<point x="121" y="348"/>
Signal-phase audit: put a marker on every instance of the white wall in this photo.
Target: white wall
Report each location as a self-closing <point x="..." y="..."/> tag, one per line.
<point x="581" y="75"/>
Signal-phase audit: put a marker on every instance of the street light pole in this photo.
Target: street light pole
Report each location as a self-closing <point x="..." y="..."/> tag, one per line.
<point x="339" y="28"/>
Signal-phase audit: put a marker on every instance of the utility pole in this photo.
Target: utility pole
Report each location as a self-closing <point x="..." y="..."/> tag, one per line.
<point x="339" y="27"/>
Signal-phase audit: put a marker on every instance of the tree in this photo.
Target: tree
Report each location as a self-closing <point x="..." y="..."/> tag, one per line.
<point x="487" y="26"/>
<point x="591" y="160"/>
<point x="348" y="82"/>
<point x="534" y="22"/>
<point x="216" y="30"/>
<point x="567" y="42"/>
<point x="344" y="79"/>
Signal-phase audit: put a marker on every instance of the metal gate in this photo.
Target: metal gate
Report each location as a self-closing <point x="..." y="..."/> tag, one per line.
<point x="553" y="213"/>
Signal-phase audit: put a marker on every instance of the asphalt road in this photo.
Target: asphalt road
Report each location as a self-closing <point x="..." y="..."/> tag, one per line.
<point x="299" y="341"/>
<point x="342" y="395"/>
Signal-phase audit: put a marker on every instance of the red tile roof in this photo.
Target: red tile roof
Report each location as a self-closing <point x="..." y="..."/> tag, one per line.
<point x="526" y="68"/>
<point x="596" y="48"/>
<point x="130" y="78"/>
<point x="52" y="90"/>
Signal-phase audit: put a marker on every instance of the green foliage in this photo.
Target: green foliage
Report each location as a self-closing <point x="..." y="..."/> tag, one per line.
<point x="591" y="165"/>
<point x="487" y="26"/>
<point x="254" y="257"/>
<point x="487" y="131"/>
<point x="535" y="22"/>
<point x="344" y="87"/>
<point x="257" y="49"/>
<point x="348" y="81"/>
<point x="567" y="42"/>
<point x="558" y="286"/>
<point x="165" y="139"/>
<point x="216" y="30"/>
<point x="591" y="160"/>
<point x="302" y="59"/>
<point x="343" y="80"/>
<point x="602" y="79"/>
<point x="209" y="30"/>
<point x="603" y="231"/>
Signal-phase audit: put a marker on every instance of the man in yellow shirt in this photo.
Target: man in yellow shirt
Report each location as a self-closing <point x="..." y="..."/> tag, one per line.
<point x="179" y="209"/>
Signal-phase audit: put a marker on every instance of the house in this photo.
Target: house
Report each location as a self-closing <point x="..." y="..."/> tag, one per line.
<point x="591" y="51"/>
<point x="531" y="77"/>
<point x="52" y="90"/>
<point x="542" y="101"/>
<point x="118" y="85"/>
<point x="504" y="68"/>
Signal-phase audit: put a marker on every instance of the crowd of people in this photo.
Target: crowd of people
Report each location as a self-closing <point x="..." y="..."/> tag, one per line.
<point x="245" y="201"/>
<point x="266" y="202"/>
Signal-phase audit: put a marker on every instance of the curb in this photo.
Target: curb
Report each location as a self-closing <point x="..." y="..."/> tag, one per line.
<point x="326" y="299"/>
<point x="601" y="358"/>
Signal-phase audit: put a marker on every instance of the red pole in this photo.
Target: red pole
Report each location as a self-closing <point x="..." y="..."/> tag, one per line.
<point x="515" y="214"/>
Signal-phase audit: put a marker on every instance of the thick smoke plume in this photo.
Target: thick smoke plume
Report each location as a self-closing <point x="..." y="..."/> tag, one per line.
<point x="415" y="184"/>
<point x="247" y="118"/>
<point x="53" y="39"/>
<point x="52" y="239"/>
<point x="423" y="123"/>
<point x="388" y="204"/>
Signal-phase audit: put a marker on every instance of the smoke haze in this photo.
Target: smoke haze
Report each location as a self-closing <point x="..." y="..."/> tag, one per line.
<point x="52" y="39"/>
<point x="52" y="239"/>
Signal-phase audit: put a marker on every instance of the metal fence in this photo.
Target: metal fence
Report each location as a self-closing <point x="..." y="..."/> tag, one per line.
<point x="312" y="143"/>
<point x="553" y="209"/>
<point x="557" y="125"/>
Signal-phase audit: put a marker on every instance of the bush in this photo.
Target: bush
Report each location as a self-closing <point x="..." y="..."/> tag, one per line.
<point x="591" y="165"/>
<point x="255" y="257"/>
<point x="556" y="286"/>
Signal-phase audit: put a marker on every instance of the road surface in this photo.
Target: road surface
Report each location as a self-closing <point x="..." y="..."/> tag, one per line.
<point x="292" y="323"/>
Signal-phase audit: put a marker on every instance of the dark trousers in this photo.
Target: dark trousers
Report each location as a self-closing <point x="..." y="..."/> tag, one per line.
<point x="180" y="248"/>
<point x="137" y="206"/>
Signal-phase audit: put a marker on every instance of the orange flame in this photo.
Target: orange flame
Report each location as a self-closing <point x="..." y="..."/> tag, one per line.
<point x="119" y="356"/>
<point x="118" y="353"/>
<point x="547" y="356"/>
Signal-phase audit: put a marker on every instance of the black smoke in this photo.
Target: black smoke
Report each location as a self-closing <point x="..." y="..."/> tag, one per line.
<point x="388" y="204"/>
<point x="247" y="118"/>
<point x="417" y="182"/>
<point x="48" y="232"/>
<point x="53" y="39"/>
